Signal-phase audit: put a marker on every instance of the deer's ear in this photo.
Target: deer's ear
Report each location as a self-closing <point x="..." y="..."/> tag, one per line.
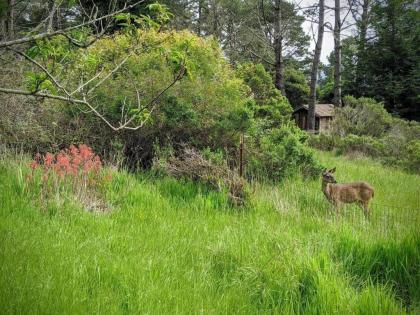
<point x="332" y="170"/>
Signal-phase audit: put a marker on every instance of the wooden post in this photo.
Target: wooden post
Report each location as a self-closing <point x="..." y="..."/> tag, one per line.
<point x="241" y="155"/>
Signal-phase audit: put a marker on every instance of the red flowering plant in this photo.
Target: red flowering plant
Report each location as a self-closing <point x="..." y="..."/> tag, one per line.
<point x="76" y="168"/>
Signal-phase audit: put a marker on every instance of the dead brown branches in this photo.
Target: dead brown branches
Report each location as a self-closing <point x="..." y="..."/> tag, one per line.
<point x="191" y="164"/>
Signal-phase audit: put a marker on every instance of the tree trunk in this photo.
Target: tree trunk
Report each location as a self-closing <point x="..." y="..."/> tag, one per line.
<point x="315" y="66"/>
<point x="3" y="26"/>
<point x="50" y="26"/>
<point x="278" y="50"/>
<point x="215" y="19"/>
<point x="200" y="17"/>
<point x="360" y="78"/>
<point x="337" y="54"/>
<point x="10" y="24"/>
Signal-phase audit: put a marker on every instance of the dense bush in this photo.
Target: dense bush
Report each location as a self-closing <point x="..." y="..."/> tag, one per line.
<point x="268" y="101"/>
<point x="412" y="156"/>
<point x="296" y="86"/>
<point x="363" y="144"/>
<point x="206" y="108"/>
<point x="361" y="117"/>
<point x="281" y="152"/>
<point x="209" y="107"/>
<point x="276" y="147"/>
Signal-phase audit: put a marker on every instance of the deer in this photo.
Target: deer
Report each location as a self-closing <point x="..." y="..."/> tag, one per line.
<point x="358" y="192"/>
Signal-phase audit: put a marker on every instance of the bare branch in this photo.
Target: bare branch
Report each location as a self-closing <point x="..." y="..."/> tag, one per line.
<point x="271" y="63"/>
<point x="63" y="31"/>
<point x="109" y="74"/>
<point x="42" y="68"/>
<point x="123" y="124"/>
<point x="87" y="82"/>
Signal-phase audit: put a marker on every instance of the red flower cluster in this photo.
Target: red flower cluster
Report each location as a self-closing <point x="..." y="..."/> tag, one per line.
<point x="76" y="160"/>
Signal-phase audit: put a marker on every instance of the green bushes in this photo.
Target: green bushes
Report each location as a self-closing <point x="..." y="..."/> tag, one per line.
<point x="280" y="153"/>
<point x="208" y="108"/>
<point x="276" y="149"/>
<point x="412" y="158"/>
<point x="363" y="144"/>
<point x="361" y="117"/>
<point x="363" y="126"/>
<point x="296" y="86"/>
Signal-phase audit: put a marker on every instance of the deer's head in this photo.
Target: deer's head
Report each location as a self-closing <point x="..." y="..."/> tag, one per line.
<point x="327" y="176"/>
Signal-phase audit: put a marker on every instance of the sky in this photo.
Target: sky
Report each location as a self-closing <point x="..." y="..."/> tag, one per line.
<point x="328" y="41"/>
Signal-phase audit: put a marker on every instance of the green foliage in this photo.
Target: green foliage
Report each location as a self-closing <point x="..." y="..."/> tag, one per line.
<point x="207" y="107"/>
<point x="386" y="68"/>
<point x="362" y="144"/>
<point x="296" y="86"/>
<point x="278" y="148"/>
<point x="364" y="126"/>
<point x="270" y="104"/>
<point x="363" y="116"/>
<point x="326" y="89"/>
<point x="412" y="156"/>
<point x="281" y="153"/>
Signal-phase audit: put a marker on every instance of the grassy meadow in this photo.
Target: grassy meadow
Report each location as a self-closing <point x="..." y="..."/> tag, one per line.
<point x="171" y="247"/>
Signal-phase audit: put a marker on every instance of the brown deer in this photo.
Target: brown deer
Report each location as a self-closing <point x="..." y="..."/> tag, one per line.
<point x="337" y="194"/>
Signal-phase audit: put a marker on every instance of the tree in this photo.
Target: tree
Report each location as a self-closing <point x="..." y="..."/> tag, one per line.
<point x="278" y="49"/>
<point x="382" y="60"/>
<point x="363" y="24"/>
<point x="393" y="57"/>
<point x="52" y="47"/>
<point x="337" y="54"/>
<point x="296" y="86"/>
<point x="315" y="66"/>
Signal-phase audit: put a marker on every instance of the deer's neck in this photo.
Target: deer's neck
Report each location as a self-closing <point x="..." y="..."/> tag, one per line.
<point x="326" y="189"/>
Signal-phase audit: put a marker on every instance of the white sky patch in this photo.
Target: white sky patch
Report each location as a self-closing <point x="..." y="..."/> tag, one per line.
<point x="328" y="42"/>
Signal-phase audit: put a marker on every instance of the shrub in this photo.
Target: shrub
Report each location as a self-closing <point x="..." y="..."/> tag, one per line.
<point x="277" y="149"/>
<point x="280" y="153"/>
<point x="363" y="144"/>
<point x="364" y="126"/>
<point x="206" y="108"/>
<point x="269" y="103"/>
<point x="362" y="117"/>
<point x="324" y="141"/>
<point x="206" y="167"/>
<point x="412" y="156"/>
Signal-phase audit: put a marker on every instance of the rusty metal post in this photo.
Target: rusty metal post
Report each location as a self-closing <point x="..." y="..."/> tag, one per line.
<point x="241" y="156"/>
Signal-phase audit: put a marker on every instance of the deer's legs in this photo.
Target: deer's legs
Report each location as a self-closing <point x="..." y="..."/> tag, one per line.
<point x="337" y="207"/>
<point x="366" y="210"/>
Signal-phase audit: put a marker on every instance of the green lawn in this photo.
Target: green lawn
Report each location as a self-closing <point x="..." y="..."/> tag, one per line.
<point x="174" y="248"/>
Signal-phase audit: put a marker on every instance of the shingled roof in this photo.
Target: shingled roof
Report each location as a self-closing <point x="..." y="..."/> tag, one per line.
<point x="321" y="110"/>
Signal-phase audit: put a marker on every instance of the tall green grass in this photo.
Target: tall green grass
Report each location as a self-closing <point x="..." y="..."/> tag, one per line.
<point x="176" y="247"/>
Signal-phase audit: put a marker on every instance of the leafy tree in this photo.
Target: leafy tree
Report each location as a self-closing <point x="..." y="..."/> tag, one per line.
<point x="296" y="86"/>
<point x="385" y="63"/>
<point x="270" y="103"/>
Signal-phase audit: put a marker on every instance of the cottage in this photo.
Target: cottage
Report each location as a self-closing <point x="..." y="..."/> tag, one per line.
<point x="324" y="114"/>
